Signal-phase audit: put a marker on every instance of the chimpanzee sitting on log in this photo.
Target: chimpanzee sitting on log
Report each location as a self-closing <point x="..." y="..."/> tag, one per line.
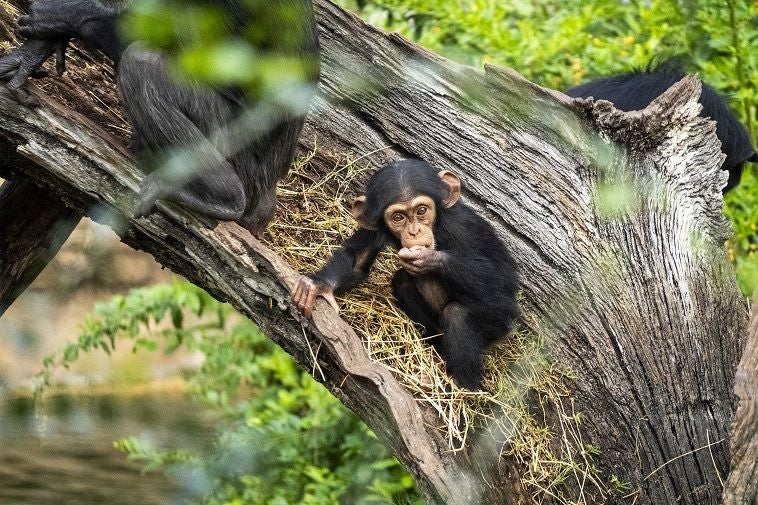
<point x="186" y="135"/>
<point x="457" y="279"/>
<point x="635" y="91"/>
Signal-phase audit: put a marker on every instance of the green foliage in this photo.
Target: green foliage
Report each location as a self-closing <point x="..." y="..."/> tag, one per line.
<point x="285" y="439"/>
<point x="154" y="458"/>
<point x="561" y="43"/>
<point x="741" y="207"/>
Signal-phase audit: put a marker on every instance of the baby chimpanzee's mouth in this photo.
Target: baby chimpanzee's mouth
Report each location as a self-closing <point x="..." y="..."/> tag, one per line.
<point x="423" y="243"/>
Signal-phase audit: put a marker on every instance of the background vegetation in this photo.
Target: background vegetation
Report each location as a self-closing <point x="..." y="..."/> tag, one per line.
<point x="286" y="439"/>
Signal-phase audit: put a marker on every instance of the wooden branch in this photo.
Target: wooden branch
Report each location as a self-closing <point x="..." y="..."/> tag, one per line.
<point x="741" y="487"/>
<point x="640" y="302"/>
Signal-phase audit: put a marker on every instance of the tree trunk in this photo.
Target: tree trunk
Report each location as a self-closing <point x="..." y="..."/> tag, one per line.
<point x="741" y="487"/>
<point x="638" y="301"/>
<point x="33" y="226"/>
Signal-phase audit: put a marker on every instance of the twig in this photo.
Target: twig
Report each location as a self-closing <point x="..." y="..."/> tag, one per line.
<point x="681" y="456"/>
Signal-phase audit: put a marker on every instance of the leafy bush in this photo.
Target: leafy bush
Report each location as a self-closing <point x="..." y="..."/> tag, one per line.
<point x="285" y="439"/>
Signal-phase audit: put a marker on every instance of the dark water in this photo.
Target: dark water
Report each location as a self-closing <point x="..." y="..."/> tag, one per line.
<point x="66" y="457"/>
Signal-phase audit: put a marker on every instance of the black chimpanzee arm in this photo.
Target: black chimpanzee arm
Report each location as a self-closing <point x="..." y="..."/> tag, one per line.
<point x="349" y="266"/>
<point x="48" y="27"/>
<point x="88" y="20"/>
<point x="352" y="262"/>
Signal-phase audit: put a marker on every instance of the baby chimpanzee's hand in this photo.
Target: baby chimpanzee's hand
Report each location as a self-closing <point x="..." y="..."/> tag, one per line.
<point x="420" y="260"/>
<point x="307" y="290"/>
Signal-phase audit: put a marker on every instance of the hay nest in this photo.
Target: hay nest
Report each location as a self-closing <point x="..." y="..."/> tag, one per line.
<point x="520" y="384"/>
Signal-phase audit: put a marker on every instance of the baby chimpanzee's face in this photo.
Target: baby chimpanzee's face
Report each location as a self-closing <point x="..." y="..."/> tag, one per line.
<point x="412" y="221"/>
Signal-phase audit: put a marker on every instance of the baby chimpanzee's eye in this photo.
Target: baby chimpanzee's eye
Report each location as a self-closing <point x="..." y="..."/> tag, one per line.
<point x="421" y="210"/>
<point x="397" y="217"/>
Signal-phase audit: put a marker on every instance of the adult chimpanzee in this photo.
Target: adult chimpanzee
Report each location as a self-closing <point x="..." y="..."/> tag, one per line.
<point x="189" y="138"/>
<point x="635" y="90"/>
<point x="457" y="279"/>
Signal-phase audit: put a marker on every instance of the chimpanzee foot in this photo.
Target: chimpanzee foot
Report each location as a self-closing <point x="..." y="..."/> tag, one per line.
<point x="147" y="197"/>
<point x="9" y="70"/>
<point x="23" y="97"/>
<point x="25" y="62"/>
<point x="468" y="377"/>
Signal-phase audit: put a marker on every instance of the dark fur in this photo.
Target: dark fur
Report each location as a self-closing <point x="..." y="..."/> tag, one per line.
<point x="478" y="279"/>
<point x="236" y="170"/>
<point x="635" y="90"/>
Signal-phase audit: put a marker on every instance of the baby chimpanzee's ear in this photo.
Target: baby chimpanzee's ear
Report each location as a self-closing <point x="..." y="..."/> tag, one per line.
<point x="753" y="158"/>
<point x="453" y="184"/>
<point x="357" y="212"/>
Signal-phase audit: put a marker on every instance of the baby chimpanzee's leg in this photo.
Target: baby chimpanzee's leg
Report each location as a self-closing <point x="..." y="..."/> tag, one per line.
<point x="461" y="346"/>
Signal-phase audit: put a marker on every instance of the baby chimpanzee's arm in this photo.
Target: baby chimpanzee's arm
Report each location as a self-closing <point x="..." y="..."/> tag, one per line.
<point x="352" y="262"/>
<point x="349" y="266"/>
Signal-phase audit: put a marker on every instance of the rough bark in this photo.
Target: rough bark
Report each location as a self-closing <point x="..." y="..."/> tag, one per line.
<point x="33" y="227"/>
<point x="642" y="304"/>
<point x="741" y="488"/>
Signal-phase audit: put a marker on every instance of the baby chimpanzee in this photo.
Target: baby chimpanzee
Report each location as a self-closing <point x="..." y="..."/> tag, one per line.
<point x="635" y="91"/>
<point x="457" y="279"/>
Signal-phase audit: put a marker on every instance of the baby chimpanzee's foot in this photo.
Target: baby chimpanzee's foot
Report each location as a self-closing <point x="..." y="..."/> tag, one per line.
<point x="467" y="376"/>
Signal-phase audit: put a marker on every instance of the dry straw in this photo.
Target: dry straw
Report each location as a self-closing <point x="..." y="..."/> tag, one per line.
<point x="313" y="220"/>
